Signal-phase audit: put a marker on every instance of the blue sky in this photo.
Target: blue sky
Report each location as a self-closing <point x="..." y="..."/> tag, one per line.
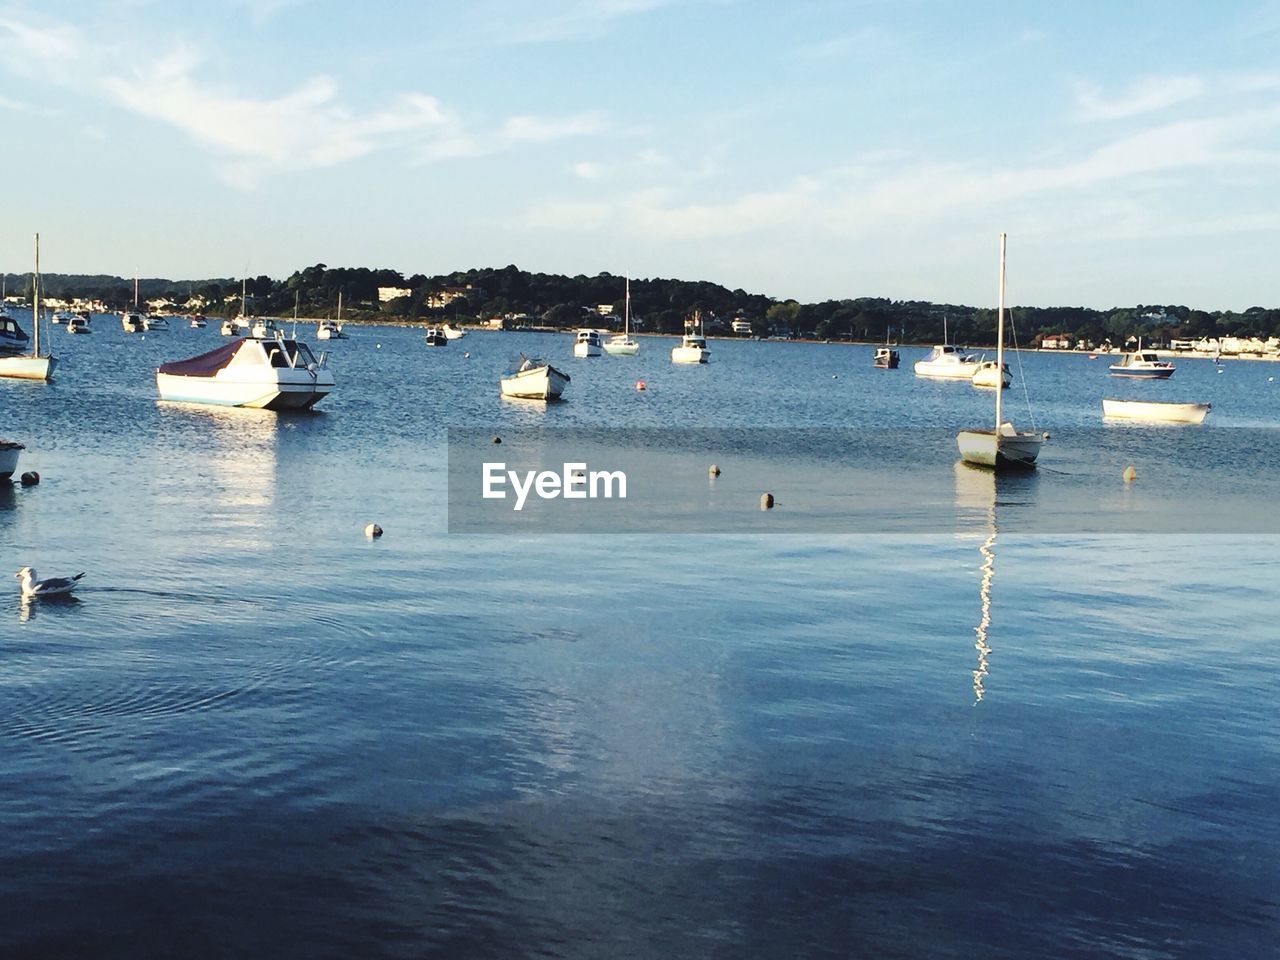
<point x="808" y="150"/>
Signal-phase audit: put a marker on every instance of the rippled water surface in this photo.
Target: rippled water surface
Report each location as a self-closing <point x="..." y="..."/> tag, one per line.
<point x="256" y="733"/>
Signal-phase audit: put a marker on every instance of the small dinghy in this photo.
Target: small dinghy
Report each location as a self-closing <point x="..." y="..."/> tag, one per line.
<point x="534" y="380"/>
<point x="1154" y="410"/>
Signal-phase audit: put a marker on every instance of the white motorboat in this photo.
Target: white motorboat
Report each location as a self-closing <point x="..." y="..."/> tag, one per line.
<point x="328" y="329"/>
<point x="453" y="333"/>
<point x="275" y="374"/>
<point x="947" y="362"/>
<point x="436" y="338"/>
<point x="534" y="380"/>
<point x="623" y="344"/>
<point x="9" y="451"/>
<point x="1142" y="364"/>
<point x="1152" y="410"/>
<point x="61" y="316"/>
<point x="15" y="361"/>
<point x="264" y="328"/>
<point x="989" y="374"/>
<point x="197" y="322"/>
<point x="587" y="344"/>
<point x="693" y="346"/>
<point x="152" y="322"/>
<point x="78" y="324"/>
<point x="1003" y="446"/>
<point x="227" y="328"/>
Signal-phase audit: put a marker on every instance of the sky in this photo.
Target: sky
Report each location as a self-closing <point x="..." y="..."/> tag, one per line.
<point x="808" y="150"/>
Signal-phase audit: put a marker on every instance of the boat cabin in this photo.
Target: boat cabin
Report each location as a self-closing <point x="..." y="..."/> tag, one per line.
<point x="13" y="339"/>
<point x="589" y="337"/>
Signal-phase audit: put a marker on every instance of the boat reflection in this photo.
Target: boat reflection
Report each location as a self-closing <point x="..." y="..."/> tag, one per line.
<point x="976" y="491"/>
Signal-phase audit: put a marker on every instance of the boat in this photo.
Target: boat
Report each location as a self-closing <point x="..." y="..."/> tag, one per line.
<point x="61" y="316"/>
<point x="533" y="380"/>
<point x="264" y="328"/>
<point x="435" y="338"/>
<point x="9" y="451"/>
<point x="587" y="344"/>
<point x="227" y="328"/>
<point x="886" y="357"/>
<point x="1142" y="364"/>
<point x="453" y="333"/>
<point x="131" y="321"/>
<point x="268" y="374"/>
<point x="623" y="344"/>
<point x="693" y="346"/>
<point x="1155" y="411"/>
<point x="947" y="362"/>
<point x="1004" y="446"/>
<point x="78" y="324"/>
<point x="197" y="322"/>
<point x="152" y="322"/>
<point x="328" y="329"/>
<point x="15" y="361"/>
<point x="987" y="375"/>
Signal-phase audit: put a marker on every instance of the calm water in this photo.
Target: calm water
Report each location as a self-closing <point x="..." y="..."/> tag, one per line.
<point x="256" y="733"/>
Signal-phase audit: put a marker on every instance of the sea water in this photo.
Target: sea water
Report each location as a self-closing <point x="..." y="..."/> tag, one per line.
<point x="256" y="732"/>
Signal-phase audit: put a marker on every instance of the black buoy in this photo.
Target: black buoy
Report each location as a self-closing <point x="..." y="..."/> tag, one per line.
<point x="766" y="501"/>
<point x="496" y="440"/>
<point x="30" y="479"/>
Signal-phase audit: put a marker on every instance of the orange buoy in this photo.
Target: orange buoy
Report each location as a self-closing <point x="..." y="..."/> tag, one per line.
<point x="641" y="385"/>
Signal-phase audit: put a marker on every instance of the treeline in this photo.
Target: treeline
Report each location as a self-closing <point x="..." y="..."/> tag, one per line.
<point x="660" y="304"/>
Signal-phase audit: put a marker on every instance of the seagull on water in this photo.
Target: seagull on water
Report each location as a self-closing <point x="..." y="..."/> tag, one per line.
<point x="53" y="587"/>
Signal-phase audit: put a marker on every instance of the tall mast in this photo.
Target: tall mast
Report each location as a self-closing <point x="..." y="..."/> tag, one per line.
<point x="1000" y="339"/>
<point x="135" y="291"/>
<point x="339" y="306"/>
<point x="35" y="302"/>
<point x="626" y="311"/>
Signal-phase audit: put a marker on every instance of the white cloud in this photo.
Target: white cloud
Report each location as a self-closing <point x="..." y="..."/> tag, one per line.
<point x="586" y="170"/>
<point x="542" y="129"/>
<point x="252" y="137"/>
<point x="1146" y="96"/>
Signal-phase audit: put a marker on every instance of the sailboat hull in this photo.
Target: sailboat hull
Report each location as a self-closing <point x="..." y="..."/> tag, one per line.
<point x="627" y="349"/>
<point x="1008" y="450"/>
<point x="27" y="368"/>
<point x="9" y="458"/>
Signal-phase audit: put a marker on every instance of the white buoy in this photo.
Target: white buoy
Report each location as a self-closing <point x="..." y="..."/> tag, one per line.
<point x="1130" y="474"/>
<point x="713" y="471"/>
<point x="766" y="501"/>
<point x="373" y="531"/>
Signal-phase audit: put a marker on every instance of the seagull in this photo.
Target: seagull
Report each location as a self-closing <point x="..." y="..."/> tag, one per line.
<point x="53" y="587"/>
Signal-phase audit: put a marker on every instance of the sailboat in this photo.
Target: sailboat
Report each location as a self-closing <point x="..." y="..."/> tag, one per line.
<point x="328" y="329"/>
<point x="26" y="366"/>
<point x="131" y="320"/>
<point x="623" y="345"/>
<point x="1004" y="446"/>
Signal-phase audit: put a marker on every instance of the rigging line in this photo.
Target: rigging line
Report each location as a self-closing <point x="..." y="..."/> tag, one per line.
<point x="1021" y="374"/>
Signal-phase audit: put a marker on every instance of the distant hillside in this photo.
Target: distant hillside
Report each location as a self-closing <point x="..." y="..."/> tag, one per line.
<point x="660" y="304"/>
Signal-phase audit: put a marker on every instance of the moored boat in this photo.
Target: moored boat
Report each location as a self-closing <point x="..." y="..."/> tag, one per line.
<point x="78" y="324"/>
<point x="152" y="322"/>
<point x="9" y="451"/>
<point x="452" y="333"/>
<point x="693" y="346"/>
<point x="435" y="338"/>
<point x="1142" y="364"/>
<point x="886" y="358"/>
<point x="1153" y="410"/>
<point x="1003" y="446"/>
<point x="197" y="322"/>
<point x="989" y="374"/>
<point x="623" y="344"/>
<point x="947" y="362"/>
<point x="276" y="374"/>
<point x="533" y="380"/>
<point x="61" y="316"/>
<point x="587" y="344"/>
<point x="15" y="362"/>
